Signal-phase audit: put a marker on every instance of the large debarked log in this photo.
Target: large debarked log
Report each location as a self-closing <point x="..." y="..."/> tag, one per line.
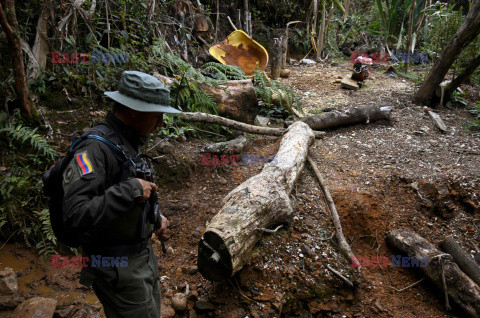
<point x="464" y="292"/>
<point x="260" y="202"/>
<point x="350" y="116"/>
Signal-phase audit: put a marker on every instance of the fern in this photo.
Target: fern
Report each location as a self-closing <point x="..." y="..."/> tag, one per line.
<point x="23" y="134"/>
<point x="47" y="245"/>
<point x="224" y="72"/>
<point x="189" y="96"/>
<point x="273" y="92"/>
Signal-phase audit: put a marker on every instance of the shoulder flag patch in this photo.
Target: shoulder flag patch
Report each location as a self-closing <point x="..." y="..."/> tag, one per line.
<point x="84" y="163"/>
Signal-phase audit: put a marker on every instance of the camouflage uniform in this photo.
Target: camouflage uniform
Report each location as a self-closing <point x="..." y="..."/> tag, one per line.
<point x="101" y="206"/>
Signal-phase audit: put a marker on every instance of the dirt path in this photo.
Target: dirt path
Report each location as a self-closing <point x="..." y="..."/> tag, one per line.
<point x="383" y="176"/>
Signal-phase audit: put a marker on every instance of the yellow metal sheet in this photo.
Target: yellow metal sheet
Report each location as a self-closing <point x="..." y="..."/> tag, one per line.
<point x="241" y="50"/>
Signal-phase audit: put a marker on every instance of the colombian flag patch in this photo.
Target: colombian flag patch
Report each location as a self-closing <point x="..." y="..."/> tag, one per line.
<point x="84" y="163"/>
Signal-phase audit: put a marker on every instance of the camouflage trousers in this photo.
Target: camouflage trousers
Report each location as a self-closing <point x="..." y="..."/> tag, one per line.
<point x="130" y="291"/>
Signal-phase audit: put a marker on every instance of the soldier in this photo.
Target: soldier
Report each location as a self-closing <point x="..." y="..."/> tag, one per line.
<point x="110" y="206"/>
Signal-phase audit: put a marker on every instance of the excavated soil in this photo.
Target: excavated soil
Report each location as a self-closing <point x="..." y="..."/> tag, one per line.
<point x="383" y="176"/>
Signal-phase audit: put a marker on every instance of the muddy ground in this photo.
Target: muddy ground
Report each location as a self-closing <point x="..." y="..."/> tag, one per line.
<point x="382" y="176"/>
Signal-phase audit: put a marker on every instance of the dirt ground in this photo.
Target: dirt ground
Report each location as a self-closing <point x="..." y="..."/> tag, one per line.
<point x="383" y="176"/>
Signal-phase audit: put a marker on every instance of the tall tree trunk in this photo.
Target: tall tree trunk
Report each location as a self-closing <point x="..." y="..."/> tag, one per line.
<point x="469" y="69"/>
<point x="321" y="33"/>
<point x="314" y="26"/>
<point x="410" y="30"/>
<point x="347" y="9"/>
<point x="10" y="27"/>
<point x="464" y="36"/>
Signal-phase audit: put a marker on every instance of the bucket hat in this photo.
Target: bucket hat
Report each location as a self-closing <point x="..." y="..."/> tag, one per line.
<point x="143" y="92"/>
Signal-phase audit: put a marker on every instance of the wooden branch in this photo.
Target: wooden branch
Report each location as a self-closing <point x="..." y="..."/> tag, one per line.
<point x="346" y="280"/>
<point x="342" y="242"/>
<point x="213" y="119"/>
<point x="462" y="290"/>
<point x="260" y="202"/>
<point x="227" y="147"/>
<point x="463" y="260"/>
<point x="231" y="23"/>
<point x="350" y="116"/>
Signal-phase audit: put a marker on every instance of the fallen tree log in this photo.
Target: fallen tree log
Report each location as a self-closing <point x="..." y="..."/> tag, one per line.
<point x="227" y="147"/>
<point x="213" y="119"/>
<point x="350" y="116"/>
<point x="260" y="202"/>
<point x="464" y="292"/>
<point x="463" y="260"/>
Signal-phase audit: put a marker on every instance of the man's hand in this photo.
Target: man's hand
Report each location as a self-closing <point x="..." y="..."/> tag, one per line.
<point x="165" y="223"/>
<point x="148" y="188"/>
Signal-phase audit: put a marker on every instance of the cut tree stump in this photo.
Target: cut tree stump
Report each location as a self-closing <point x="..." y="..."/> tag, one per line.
<point x="235" y="99"/>
<point x="260" y="202"/>
<point x="277" y="58"/>
<point x="348" y="83"/>
<point x="350" y="116"/>
<point x="464" y="292"/>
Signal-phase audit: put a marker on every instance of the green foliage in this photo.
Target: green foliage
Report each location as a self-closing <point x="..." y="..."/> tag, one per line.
<point x="224" y="72"/>
<point x="444" y="23"/>
<point x="48" y="243"/>
<point x="24" y="134"/>
<point x="21" y="187"/>
<point x="186" y="95"/>
<point x="475" y="124"/>
<point x="395" y="18"/>
<point x="174" y="128"/>
<point x="278" y="99"/>
<point x="457" y="97"/>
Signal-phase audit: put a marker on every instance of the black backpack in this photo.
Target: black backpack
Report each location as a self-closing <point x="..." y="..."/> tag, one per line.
<point x="53" y="178"/>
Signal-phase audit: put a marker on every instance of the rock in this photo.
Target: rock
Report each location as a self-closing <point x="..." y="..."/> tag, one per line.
<point x="261" y="121"/>
<point x="192" y="270"/>
<point x="202" y="305"/>
<point x="11" y="301"/>
<point x="38" y="307"/>
<point x="179" y="302"/>
<point x="168" y="293"/>
<point x="167" y="311"/>
<point x="192" y="314"/>
<point x="285" y="73"/>
<point x="307" y="250"/>
<point x="307" y="62"/>
<point x="379" y="305"/>
<point x="8" y="282"/>
<point x="81" y="313"/>
<point x="192" y="295"/>
<point x="78" y="309"/>
<point x="235" y="313"/>
<point x="66" y="312"/>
